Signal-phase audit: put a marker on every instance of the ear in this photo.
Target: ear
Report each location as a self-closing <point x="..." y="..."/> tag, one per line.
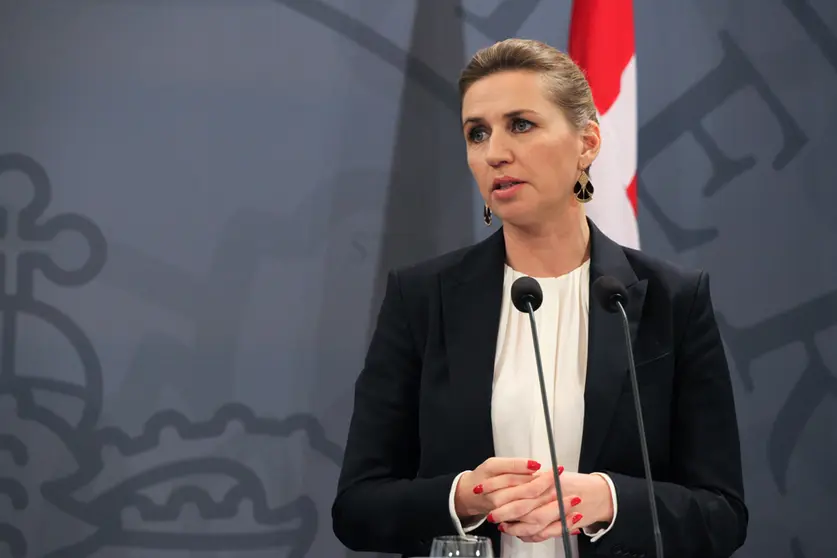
<point x="591" y="140"/>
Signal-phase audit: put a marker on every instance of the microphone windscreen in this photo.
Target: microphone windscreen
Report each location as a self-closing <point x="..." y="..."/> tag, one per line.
<point x="608" y="290"/>
<point x="526" y="289"/>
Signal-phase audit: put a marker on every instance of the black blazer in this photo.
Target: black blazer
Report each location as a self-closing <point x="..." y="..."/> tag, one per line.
<point x="423" y="405"/>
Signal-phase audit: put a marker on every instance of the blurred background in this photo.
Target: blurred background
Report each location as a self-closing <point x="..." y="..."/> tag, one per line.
<point x="199" y="201"/>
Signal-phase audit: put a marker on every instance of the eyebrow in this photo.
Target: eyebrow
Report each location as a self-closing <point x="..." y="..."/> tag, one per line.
<point x="512" y="114"/>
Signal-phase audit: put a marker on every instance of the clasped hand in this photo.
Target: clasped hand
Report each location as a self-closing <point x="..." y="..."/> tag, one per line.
<point x="521" y="499"/>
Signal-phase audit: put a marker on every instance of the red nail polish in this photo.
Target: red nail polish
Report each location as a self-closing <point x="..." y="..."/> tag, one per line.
<point x="576" y="532"/>
<point x="560" y="469"/>
<point x="533" y="465"/>
<point x="575" y="501"/>
<point x="490" y="518"/>
<point x="478" y="489"/>
<point x="500" y="528"/>
<point x="577" y="518"/>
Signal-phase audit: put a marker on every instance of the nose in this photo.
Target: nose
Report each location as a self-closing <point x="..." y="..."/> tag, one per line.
<point x="498" y="152"/>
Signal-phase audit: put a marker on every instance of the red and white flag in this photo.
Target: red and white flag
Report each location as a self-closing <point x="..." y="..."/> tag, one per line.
<point x="602" y="43"/>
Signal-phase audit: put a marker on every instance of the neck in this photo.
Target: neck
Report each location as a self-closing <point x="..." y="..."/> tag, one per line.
<point x="549" y="249"/>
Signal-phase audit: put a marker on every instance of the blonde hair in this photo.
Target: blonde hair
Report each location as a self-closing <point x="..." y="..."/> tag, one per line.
<point x="565" y="82"/>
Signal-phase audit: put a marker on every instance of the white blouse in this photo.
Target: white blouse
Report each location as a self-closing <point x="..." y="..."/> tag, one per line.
<point x="516" y="408"/>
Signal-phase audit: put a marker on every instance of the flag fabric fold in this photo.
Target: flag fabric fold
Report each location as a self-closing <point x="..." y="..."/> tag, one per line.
<point x="601" y="42"/>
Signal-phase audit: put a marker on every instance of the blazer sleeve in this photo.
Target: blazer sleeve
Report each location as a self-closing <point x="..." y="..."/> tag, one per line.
<point x="380" y="505"/>
<point x="702" y="512"/>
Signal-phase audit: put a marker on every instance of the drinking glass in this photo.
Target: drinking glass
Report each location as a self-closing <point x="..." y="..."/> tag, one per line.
<point x="462" y="547"/>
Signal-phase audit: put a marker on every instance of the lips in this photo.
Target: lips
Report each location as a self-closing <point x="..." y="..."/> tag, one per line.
<point x="505" y="183"/>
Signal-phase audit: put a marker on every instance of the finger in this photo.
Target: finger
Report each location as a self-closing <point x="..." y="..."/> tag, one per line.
<point x="538" y="488"/>
<point x="549" y="473"/>
<point x="513" y="505"/>
<point x="549" y="494"/>
<point x="555" y="530"/>
<point x="573" y="522"/>
<point x="540" y="537"/>
<point x="550" y="512"/>
<point x="536" y="533"/>
<point x="551" y="532"/>
<point x="545" y="484"/>
<point x="494" y="466"/>
<point x="535" y="494"/>
<point x="520" y="529"/>
<point x="493" y="484"/>
<point x="513" y="511"/>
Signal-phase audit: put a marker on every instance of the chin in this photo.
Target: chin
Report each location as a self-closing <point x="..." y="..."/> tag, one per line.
<point x="519" y="219"/>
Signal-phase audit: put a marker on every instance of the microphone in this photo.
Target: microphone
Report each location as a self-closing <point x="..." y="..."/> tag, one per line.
<point x="612" y="295"/>
<point x="527" y="296"/>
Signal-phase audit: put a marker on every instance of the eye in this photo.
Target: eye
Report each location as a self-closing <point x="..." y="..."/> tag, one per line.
<point x="477" y="134"/>
<point x="521" y="125"/>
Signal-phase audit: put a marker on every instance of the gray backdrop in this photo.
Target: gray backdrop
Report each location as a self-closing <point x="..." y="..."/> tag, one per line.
<point x="199" y="201"/>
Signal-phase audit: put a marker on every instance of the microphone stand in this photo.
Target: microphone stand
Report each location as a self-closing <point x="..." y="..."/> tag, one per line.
<point x="561" y="512"/>
<point x="646" y="462"/>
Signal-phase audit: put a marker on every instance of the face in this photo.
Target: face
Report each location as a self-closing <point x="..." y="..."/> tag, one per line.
<point x="523" y="152"/>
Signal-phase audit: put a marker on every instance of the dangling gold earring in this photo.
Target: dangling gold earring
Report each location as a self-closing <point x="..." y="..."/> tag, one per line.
<point x="486" y="215"/>
<point x="583" y="189"/>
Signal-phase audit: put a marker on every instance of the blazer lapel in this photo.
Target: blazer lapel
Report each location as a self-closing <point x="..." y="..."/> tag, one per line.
<point x="472" y="294"/>
<point x="607" y="364"/>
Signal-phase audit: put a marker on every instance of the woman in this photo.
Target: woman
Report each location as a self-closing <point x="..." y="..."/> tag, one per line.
<point x="447" y="434"/>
